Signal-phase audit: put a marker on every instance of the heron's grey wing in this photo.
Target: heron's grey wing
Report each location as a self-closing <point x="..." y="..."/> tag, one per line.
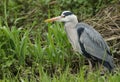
<point x="93" y="43"/>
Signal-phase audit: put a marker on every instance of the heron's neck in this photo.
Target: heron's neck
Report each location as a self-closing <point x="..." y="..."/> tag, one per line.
<point x="71" y="24"/>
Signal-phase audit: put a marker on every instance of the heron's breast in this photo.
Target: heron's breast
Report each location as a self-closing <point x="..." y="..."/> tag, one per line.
<point x="73" y="38"/>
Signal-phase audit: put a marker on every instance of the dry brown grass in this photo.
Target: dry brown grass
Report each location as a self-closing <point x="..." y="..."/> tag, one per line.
<point x="107" y="22"/>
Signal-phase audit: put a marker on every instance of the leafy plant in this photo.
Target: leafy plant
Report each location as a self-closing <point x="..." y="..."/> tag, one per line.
<point x="31" y="50"/>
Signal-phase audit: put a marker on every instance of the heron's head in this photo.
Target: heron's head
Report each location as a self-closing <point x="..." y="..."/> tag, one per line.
<point x="66" y="16"/>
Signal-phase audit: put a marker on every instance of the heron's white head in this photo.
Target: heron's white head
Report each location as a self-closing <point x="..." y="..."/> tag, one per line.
<point x="66" y="16"/>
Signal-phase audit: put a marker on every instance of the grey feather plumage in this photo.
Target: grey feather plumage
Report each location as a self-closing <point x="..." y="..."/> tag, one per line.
<point x="94" y="44"/>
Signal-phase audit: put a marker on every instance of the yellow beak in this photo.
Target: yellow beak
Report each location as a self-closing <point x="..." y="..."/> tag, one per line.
<point x="53" y="19"/>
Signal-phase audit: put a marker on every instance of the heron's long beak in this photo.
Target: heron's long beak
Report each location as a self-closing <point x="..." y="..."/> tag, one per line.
<point x="53" y="19"/>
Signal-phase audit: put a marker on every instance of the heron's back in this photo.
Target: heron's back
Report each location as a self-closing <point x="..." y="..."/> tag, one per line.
<point x="92" y="44"/>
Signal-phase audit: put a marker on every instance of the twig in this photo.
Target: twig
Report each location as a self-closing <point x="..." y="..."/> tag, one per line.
<point x="112" y="38"/>
<point x="108" y="15"/>
<point x="116" y="45"/>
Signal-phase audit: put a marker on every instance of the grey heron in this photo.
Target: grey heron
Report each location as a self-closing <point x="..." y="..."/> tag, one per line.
<point x="85" y="39"/>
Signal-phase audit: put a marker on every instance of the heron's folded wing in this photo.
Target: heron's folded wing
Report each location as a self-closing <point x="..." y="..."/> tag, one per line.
<point x="93" y="43"/>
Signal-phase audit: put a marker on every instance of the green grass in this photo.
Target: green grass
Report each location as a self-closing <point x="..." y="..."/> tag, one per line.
<point x="31" y="50"/>
<point x="41" y="60"/>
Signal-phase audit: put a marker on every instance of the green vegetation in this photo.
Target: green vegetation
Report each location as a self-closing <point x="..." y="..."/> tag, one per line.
<point x="33" y="51"/>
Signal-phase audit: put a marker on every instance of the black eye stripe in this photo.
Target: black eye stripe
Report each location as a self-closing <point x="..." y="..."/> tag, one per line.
<point x="67" y="13"/>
